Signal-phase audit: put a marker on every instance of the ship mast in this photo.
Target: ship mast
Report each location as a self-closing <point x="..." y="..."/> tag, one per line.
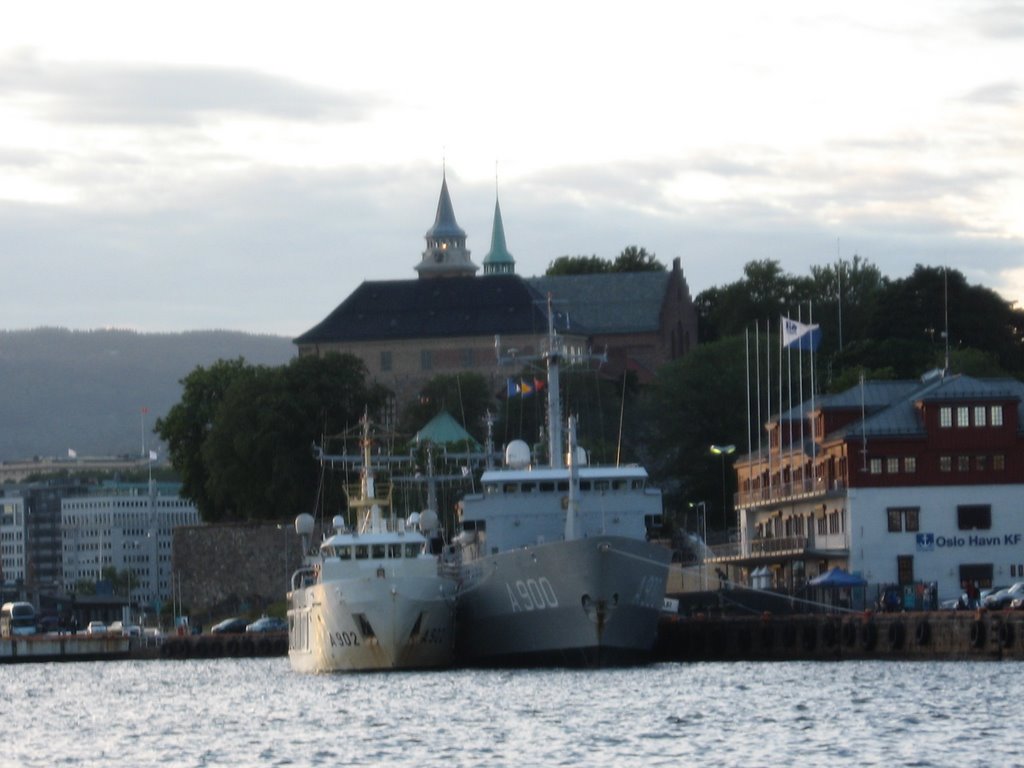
<point x="553" y="357"/>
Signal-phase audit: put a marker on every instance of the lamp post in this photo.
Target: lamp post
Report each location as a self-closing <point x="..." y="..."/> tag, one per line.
<point x="722" y="451"/>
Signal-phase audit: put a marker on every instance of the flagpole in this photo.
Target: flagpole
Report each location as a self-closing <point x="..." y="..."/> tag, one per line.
<point x="746" y="360"/>
<point x="800" y="369"/>
<point x="789" y="378"/>
<point x="814" y="445"/>
<point x="768" y="386"/>
<point x="780" y="402"/>
<point x="757" y="368"/>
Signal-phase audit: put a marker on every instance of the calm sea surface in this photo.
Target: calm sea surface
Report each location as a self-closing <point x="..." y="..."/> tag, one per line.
<point x="239" y="712"/>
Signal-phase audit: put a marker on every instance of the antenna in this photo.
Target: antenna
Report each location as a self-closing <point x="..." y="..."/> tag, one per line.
<point x="945" y="307"/>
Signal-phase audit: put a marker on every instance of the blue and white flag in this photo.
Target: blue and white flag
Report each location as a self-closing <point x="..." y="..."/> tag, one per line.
<point x="797" y="335"/>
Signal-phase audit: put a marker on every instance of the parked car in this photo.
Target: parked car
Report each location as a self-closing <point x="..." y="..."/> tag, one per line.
<point x="1002" y="599"/>
<point x="268" y="624"/>
<point x="96" y="628"/>
<point x="229" y="626"/>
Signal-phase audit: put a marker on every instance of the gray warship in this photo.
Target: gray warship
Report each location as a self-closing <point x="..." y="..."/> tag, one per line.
<point x="556" y="562"/>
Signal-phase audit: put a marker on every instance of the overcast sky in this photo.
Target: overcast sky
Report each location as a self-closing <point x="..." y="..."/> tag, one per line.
<point x="245" y="165"/>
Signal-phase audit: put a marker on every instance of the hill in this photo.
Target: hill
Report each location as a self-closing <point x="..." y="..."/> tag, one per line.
<point x="85" y="390"/>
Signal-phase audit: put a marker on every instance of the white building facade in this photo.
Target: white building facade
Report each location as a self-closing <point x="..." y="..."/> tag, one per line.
<point x="127" y="526"/>
<point x="12" y="541"/>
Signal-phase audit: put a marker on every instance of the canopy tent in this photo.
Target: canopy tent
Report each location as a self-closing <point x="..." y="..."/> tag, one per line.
<point x="838" y="578"/>
<point x="444" y="430"/>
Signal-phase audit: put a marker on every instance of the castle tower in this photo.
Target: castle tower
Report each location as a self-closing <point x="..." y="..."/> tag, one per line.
<point x="446" y="254"/>
<point x="498" y="260"/>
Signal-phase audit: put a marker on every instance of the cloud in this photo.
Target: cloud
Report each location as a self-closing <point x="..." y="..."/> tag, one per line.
<point x="1001" y="19"/>
<point x="135" y="94"/>
<point x="1006" y="92"/>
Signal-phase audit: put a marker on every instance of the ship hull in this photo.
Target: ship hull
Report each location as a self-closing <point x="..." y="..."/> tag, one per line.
<point x="588" y="602"/>
<point x="372" y="624"/>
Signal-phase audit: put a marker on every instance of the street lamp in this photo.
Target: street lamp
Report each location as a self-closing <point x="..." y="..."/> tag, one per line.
<point x="722" y="451"/>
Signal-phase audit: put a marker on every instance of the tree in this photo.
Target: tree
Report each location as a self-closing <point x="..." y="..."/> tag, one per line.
<point x="633" y="259"/>
<point x="466" y="396"/>
<point x="694" y="402"/>
<point x="188" y="423"/>
<point x="577" y="265"/>
<point x="254" y="454"/>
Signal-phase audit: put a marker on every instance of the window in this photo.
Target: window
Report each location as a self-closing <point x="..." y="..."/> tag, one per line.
<point x="905" y="569"/>
<point x="945" y="416"/>
<point x="980" y="462"/>
<point x="974" y="517"/>
<point x="945" y="463"/>
<point x="904" y="519"/>
<point x="963" y="416"/>
<point x="426" y="360"/>
<point x="979" y="415"/>
<point x="892" y="466"/>
<point x="963" y="463"/>
<point x="980" y="574"/>
<point x="997" y="415"/>
<point x="999" y="462"/>
<point x="385" y="360"/>
<point x="876" y="466"/>
<point x="910" y="464"/>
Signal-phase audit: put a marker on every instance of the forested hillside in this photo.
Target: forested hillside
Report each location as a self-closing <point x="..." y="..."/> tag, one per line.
<point x="85" y="390"/>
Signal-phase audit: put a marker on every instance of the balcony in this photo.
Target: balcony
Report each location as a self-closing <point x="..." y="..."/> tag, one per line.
<point x="801" y="489"/>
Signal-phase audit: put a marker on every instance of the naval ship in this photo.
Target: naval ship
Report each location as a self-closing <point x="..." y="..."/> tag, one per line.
<point x="556" y="562"/>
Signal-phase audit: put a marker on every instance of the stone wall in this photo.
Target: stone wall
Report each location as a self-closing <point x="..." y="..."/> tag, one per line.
<point x="233" y="569"/>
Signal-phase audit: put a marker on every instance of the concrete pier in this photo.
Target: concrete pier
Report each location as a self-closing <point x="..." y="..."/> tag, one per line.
<point x="944" y="635"/>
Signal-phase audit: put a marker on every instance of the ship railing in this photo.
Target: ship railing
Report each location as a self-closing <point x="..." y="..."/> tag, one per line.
<point x="304" y="577"/>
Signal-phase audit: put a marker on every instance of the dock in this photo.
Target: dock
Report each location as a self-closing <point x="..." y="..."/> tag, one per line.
<point x="931" y="636"/>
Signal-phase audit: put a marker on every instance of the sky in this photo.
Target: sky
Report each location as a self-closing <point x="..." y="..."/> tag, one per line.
<point x="245" y="165"/>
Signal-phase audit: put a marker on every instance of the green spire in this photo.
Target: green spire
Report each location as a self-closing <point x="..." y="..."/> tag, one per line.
<point x="498" y="260"/>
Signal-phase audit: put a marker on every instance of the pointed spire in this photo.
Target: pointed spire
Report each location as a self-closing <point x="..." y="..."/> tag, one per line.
<point x="446" y="253"/>
<point x="498" y="260"/>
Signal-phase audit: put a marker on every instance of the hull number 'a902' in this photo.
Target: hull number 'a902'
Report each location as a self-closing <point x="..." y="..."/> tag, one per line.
<point x="345" y="639"/>
<point x="531" y="594"/>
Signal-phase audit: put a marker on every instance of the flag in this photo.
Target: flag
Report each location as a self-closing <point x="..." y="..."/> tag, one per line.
<point x="797" y="335"/>
<point x="513" y="387"/>
<point x="72" y="453"/>
<point x="144" y="409"/>
<point x="465" y="471"/>
<point x="538" y="385"/>
<point x="525" y="388"/>
<point x="152" y="455"/>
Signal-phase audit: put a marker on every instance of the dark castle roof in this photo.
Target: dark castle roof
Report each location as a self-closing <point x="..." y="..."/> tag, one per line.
<point x="443" y="307"/>
<point x="612" y="302"/>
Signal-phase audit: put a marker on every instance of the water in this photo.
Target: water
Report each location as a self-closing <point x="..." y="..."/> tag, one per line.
<point x="242" y="712"/>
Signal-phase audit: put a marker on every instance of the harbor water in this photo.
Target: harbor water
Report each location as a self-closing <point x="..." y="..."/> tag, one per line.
<point x="255" y="712"/>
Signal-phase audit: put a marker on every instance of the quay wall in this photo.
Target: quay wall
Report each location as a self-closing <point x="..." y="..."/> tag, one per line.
<point x="940" y="635"/>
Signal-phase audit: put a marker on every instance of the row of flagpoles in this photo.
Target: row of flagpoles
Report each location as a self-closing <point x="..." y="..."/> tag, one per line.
<point x="794" y="335"/>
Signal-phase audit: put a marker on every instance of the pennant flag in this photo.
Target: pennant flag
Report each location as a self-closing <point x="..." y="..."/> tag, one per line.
<point x="797" y="335"/>
<point x="72" y="453"/>
<point x="538" y="385"/>
<point x="513" y="388"/>
<point x="525" y="388"/>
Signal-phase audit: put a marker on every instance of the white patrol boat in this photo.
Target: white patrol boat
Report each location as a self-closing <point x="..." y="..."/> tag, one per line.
<point x="373" y="596"/>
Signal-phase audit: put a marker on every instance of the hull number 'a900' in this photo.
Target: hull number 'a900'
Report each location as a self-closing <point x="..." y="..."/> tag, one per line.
<point x="531" y="594"/>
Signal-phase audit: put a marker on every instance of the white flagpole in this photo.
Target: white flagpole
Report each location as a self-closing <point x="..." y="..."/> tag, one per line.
<point x="800" y="369"/>
<point x="768" y="386"/>
<point x="757" y="368"/>
<point x="746" y="349"/>
<point x="810" y="322"/>
<point x="789" y="378"/>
